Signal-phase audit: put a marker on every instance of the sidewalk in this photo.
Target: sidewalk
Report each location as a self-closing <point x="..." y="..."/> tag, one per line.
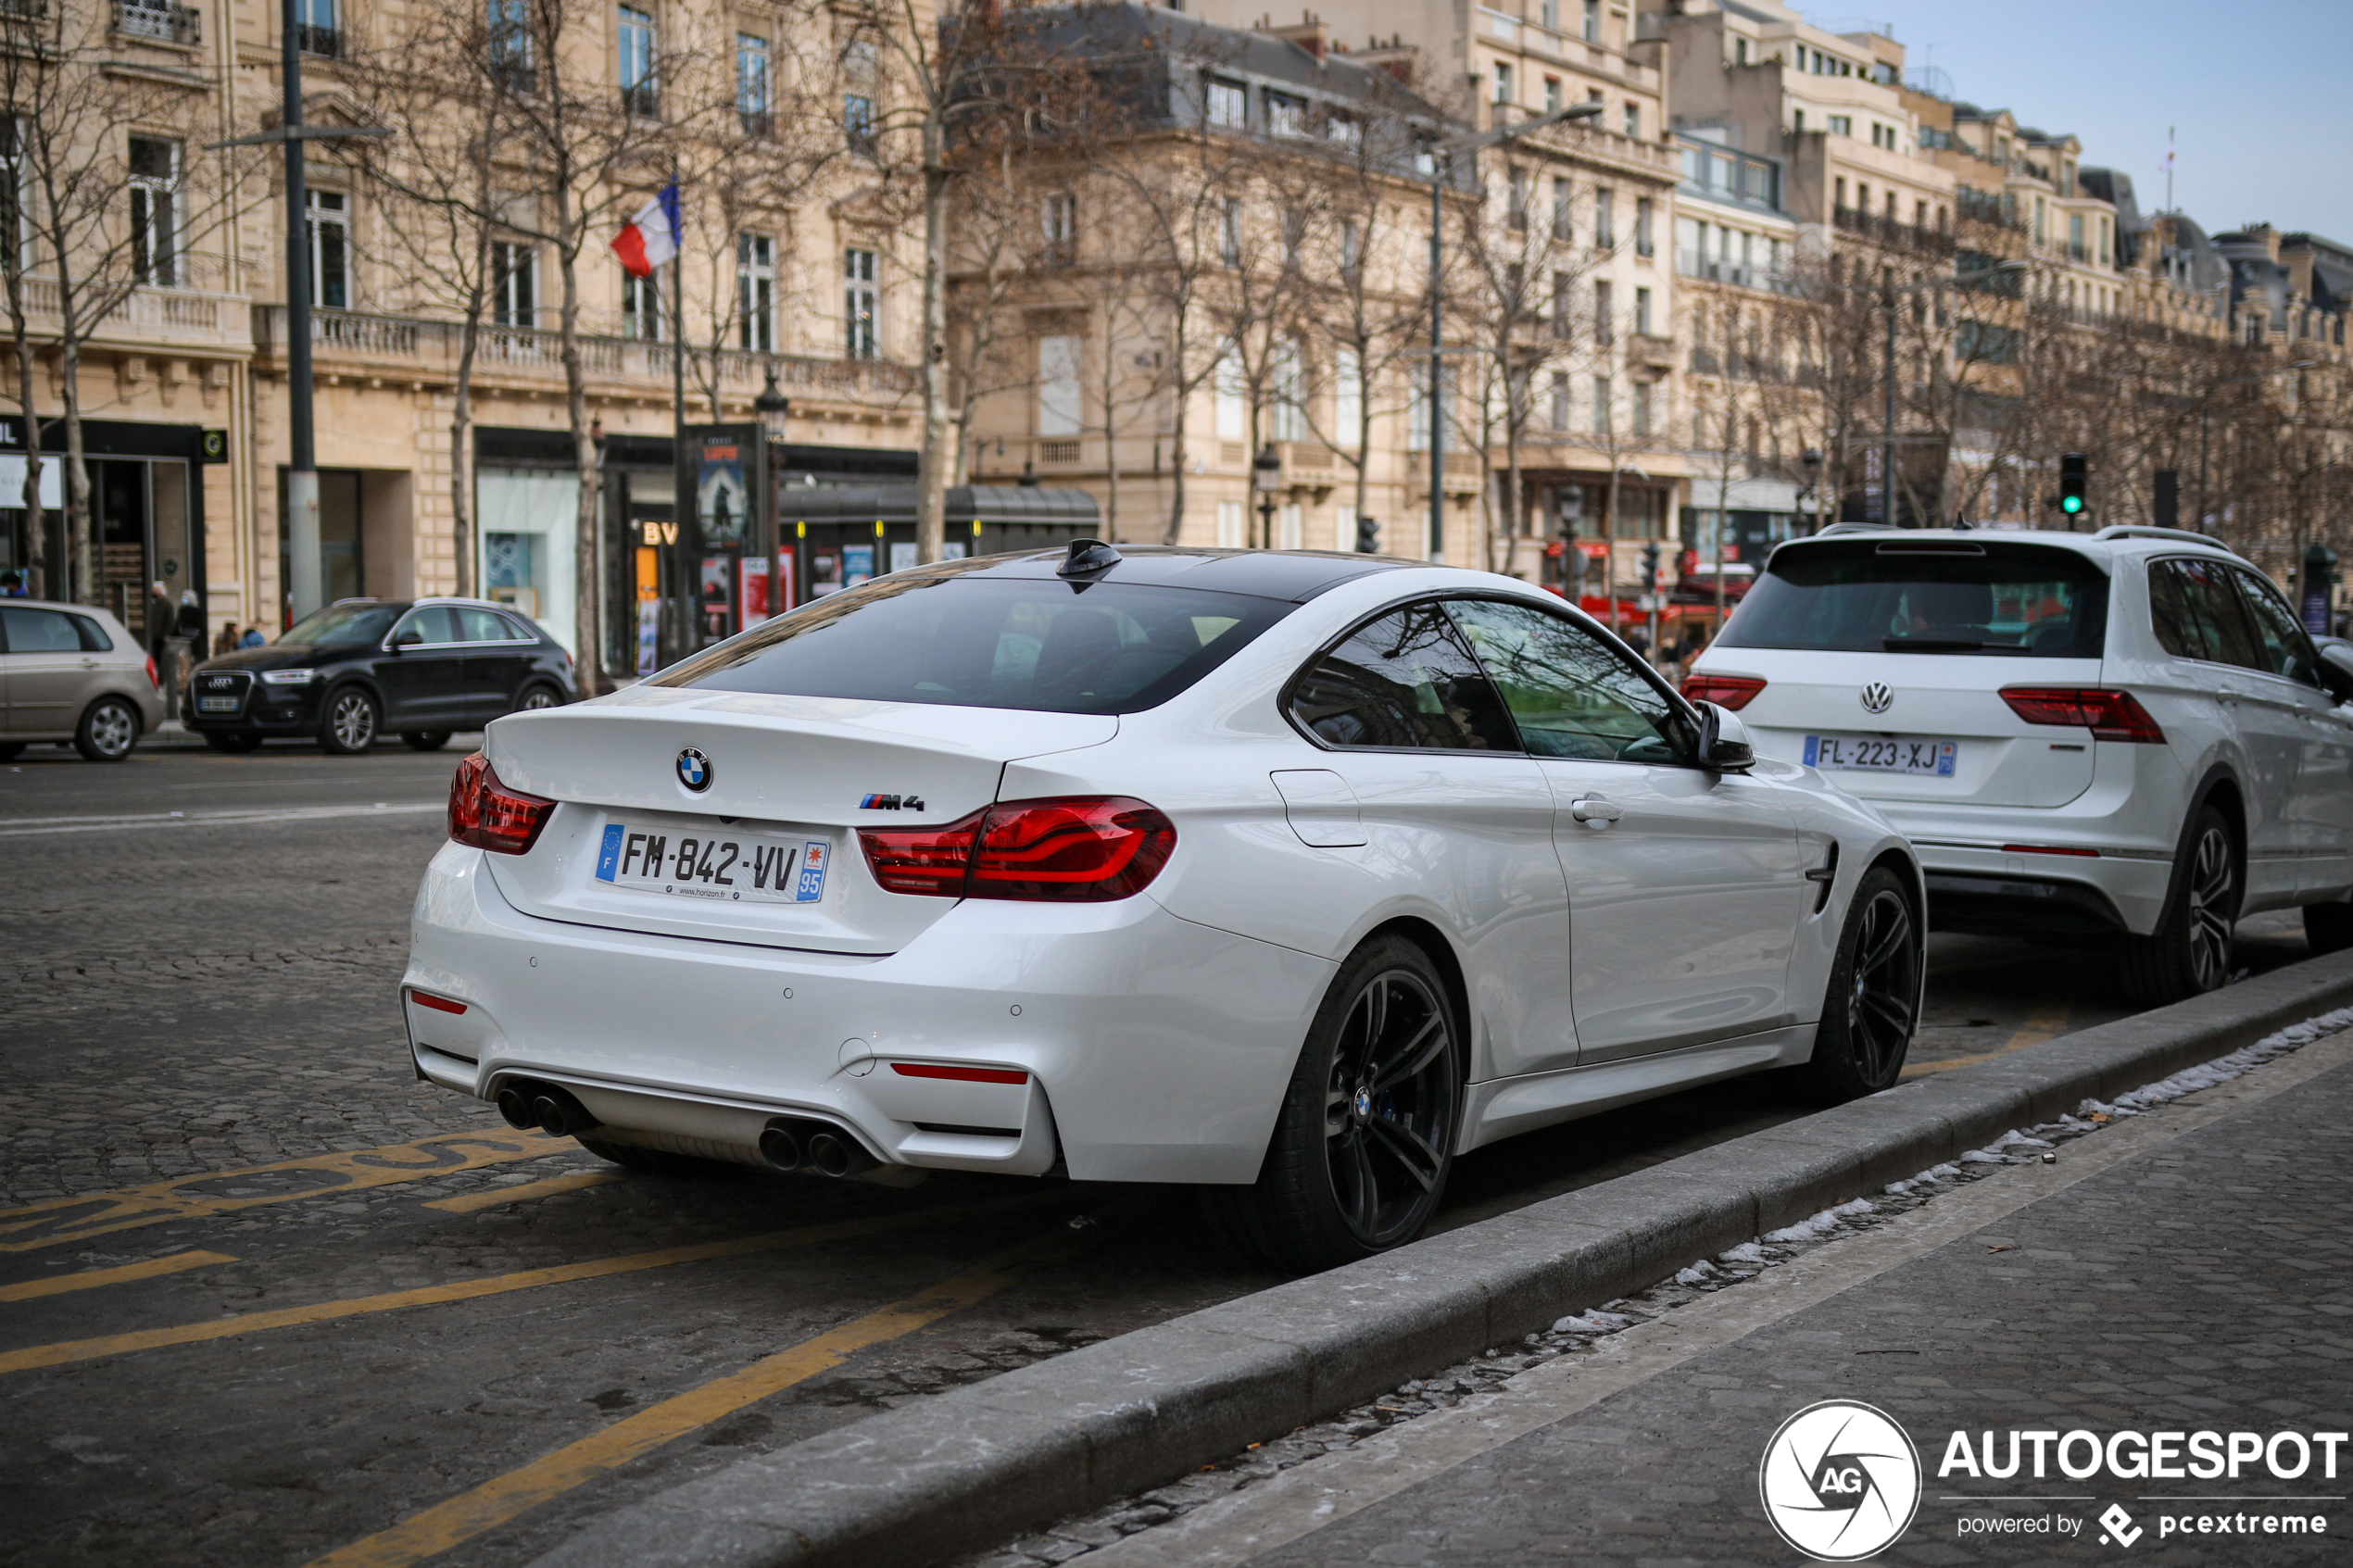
<point x="2184" y="1272"/>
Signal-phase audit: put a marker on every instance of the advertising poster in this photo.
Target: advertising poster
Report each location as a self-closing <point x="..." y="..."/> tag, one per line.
<point x="716" y="600"/>
<point x="857" y="565"/>
<point x="722" y="497"/>
<point x="755" y="600"/>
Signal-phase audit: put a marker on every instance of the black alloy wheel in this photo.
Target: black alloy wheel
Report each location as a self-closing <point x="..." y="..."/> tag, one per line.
<point x="348" y="726"/>
<point x="1365" y="1138"/>
<point x="2189" y="952"/>
<point x="1874" y="997"/>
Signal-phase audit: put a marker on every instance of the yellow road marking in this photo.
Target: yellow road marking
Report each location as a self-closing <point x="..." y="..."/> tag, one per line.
<point x="68" y="1350"/>
<point x="183" y="1197"/>
<point x="2044" y="1024"/>
<point x="523" y="1192"/>
<point x="89" y="1278"/>
<point x="495" y="1501"/>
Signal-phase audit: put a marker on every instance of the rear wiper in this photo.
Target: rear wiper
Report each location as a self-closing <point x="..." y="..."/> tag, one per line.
<point x="1947" y="644"/>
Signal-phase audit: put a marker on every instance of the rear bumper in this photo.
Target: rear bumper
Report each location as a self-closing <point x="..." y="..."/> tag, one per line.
<point x="2020" y="906"/>
<point x="1155" y="1049"/>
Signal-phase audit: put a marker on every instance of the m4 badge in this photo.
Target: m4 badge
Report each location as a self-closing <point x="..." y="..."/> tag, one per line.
<point x="891" y="803"/>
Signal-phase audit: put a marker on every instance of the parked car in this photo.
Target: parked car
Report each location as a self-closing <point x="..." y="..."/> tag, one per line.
<point x="2123" y="735"/>
<point x="1289" y="875"/>
<point x="71" y="674"/>
<point x="421" y="667"/>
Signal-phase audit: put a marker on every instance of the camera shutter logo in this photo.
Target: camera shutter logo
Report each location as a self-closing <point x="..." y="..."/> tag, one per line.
<point x="1840" y="1481"/>
<point x="1878" y="697"/>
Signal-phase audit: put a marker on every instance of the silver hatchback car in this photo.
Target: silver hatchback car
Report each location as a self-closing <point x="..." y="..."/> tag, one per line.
<point x="71" y="674"/>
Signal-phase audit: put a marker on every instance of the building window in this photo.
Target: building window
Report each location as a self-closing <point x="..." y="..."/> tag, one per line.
<point x="155" y="210"/>
<point x="1642" y="409"/>
<point x="1593" y="22"/>
<point x="1502" y="84"/>
<point x="641" y="307"/>
<point x="1841" y="125"/>
<point x="1634" y="120"/>
<point x="1564" y="311"/>
<point x="1797" y="121"/>
<point x="861" y="309"/>
<point x="317" y="28"/>
<point x="1057" y="386"/>
<point x="1341" y="129"/>
<point x="1291" y="390"/>
<point x="751" y="84"/>
<point x="1604" y="223"/>
<point x="1601" y="405"/>
<point x="2075" y="236"/>
<point x="1352" y="248"/>
<point x="1549" y="13"/>
<point x="1605" y="331"/>
<point x="1643" y="311"/>
<point x="1516" y="198"/>
<point x="1552" y="94"/>
<point x="756" y="293"/>
<point x="1560" y="402"/>
<point x="1232" y="398"/>
<point x="514" y="285"/>
<point x="1285" y="116"/>
<point x="329" y="250"/>
<point x="1348" y="400"/>
<point x="639" y="93"/>
<point x="1228" y="105"/>
<point x="1740" y="51"/>
<point x="509" y="34"/>
<point x="1643" y="245"/>
<point x="858" y="123"/>
<point x="1232" y="519"/>
<point x="1229" y="231"/>
<point x="1564" y="214"/>
<point x="1059" y="224"/>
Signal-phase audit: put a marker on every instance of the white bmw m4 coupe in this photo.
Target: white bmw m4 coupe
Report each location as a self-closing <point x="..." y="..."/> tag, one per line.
<point x="1291" y="876"/>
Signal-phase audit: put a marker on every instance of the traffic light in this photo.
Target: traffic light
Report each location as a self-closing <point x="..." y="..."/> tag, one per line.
<point x="2071" y="466"/>
<point x="1650" y="568"/>
<point x="1367" y="536"/>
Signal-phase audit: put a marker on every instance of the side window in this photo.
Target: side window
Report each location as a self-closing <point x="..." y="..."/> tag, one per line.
<point x="483" y="626"/>
<point x="2198" y="614"/>
<point x="2287" y="650"/>
<point x="1571" y="695"/>
<point x="1406" y="680"/>
<point x="434" y="623"/>
<point x="93" y="636"/>
<point x="40" y="631"/>
<point x="516" y="632"/>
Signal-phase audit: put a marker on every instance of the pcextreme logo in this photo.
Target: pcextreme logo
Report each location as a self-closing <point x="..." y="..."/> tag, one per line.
<point x="1840" y="1481"/>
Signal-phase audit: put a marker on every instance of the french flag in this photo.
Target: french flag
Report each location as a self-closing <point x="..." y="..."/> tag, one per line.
<point x="651" y="237"/>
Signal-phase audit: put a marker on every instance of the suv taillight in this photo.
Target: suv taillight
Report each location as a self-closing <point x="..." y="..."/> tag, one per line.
<point x="489" y="815"/>
<point x="2109" y="715"/>
<point x="1085" y="850"/>
<point x="1730" y="693"/>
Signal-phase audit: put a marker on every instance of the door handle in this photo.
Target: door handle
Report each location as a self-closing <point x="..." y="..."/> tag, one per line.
<point x="1594" y="812"/>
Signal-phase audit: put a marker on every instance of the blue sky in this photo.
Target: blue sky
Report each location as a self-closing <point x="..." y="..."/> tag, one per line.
<point x="2256" y="93"/>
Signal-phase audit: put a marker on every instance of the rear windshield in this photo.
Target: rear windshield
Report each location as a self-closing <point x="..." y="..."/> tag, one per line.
<point x="980" y="641"/>
<point x="1869" y="596"/>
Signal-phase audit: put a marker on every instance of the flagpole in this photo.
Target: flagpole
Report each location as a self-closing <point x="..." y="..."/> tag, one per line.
<point x="682" y="484"/>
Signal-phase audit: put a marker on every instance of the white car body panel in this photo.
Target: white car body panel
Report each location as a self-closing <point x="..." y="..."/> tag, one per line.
<point x="1681" y="943"/>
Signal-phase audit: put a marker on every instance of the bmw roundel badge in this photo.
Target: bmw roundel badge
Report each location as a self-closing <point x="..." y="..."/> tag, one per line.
<point x="694" y="769"/>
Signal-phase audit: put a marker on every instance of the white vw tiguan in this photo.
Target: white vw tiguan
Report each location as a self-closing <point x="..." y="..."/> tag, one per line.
<point x="2123" y="735"/>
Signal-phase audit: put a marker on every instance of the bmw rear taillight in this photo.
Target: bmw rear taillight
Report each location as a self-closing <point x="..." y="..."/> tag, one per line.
<point x="1086" y="849"/>
<point x="1730" y="693"/>
<point x="2109" y="715"/>
<point x="489" y="815"/>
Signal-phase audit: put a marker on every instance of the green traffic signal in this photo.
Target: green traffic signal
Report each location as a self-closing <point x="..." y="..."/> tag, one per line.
<point x="2073" y="471"/>
<point x="2071" y="504"/>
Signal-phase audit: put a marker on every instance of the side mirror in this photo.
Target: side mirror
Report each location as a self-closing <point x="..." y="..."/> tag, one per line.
<point x="1723" y="742"/>
<point x="408" y="640"/>
<point x="2334" y="671"/>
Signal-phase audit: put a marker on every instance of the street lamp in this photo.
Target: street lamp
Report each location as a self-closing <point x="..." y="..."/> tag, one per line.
<point x="1887" y="432"/>
<point x="1266" y="477"/>
<point x="1442" y="158"/>
<point x="771" y="409"/>
<point x="1810" y="462"/>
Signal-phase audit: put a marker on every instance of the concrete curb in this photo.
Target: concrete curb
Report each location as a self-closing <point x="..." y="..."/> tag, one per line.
<point x="1062" y="1435"/>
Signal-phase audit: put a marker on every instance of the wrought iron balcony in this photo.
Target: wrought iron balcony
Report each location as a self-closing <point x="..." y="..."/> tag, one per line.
<point x="156" y="19"/>
<point x="324" y="42"/>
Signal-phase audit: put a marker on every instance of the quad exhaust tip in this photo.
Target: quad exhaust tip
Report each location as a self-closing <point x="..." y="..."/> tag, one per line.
<point x="802" y="1143"/>
<point x="548" y="1107"/>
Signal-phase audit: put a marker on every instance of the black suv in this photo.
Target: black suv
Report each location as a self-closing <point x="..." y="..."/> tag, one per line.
<point x="424" y="668"/>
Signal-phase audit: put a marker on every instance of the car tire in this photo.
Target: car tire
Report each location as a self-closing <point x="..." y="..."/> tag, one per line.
<point x="109" y="731"/>
<point x="425" y="740"/>
<point x="2328" y="928"/>
<point x="348" y="721"/>
<point x="2189" y="953"/>
<point x="1365" y="1139"/>
<point x="537" y="697"/>
<point x="1874" y="997"/>
<point x="231" y="744"/>
<point x="658" y="1161"/>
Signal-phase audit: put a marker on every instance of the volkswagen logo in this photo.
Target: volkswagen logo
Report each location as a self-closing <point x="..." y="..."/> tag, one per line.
<point x="1878" y="697"/>
<point x="1840" y="1481"/>
<point x="694" y="769"/>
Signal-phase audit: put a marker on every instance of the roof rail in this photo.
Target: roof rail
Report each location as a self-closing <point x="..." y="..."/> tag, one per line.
<point x="1853" y="528"/>
<point x="2145" y="531"/>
